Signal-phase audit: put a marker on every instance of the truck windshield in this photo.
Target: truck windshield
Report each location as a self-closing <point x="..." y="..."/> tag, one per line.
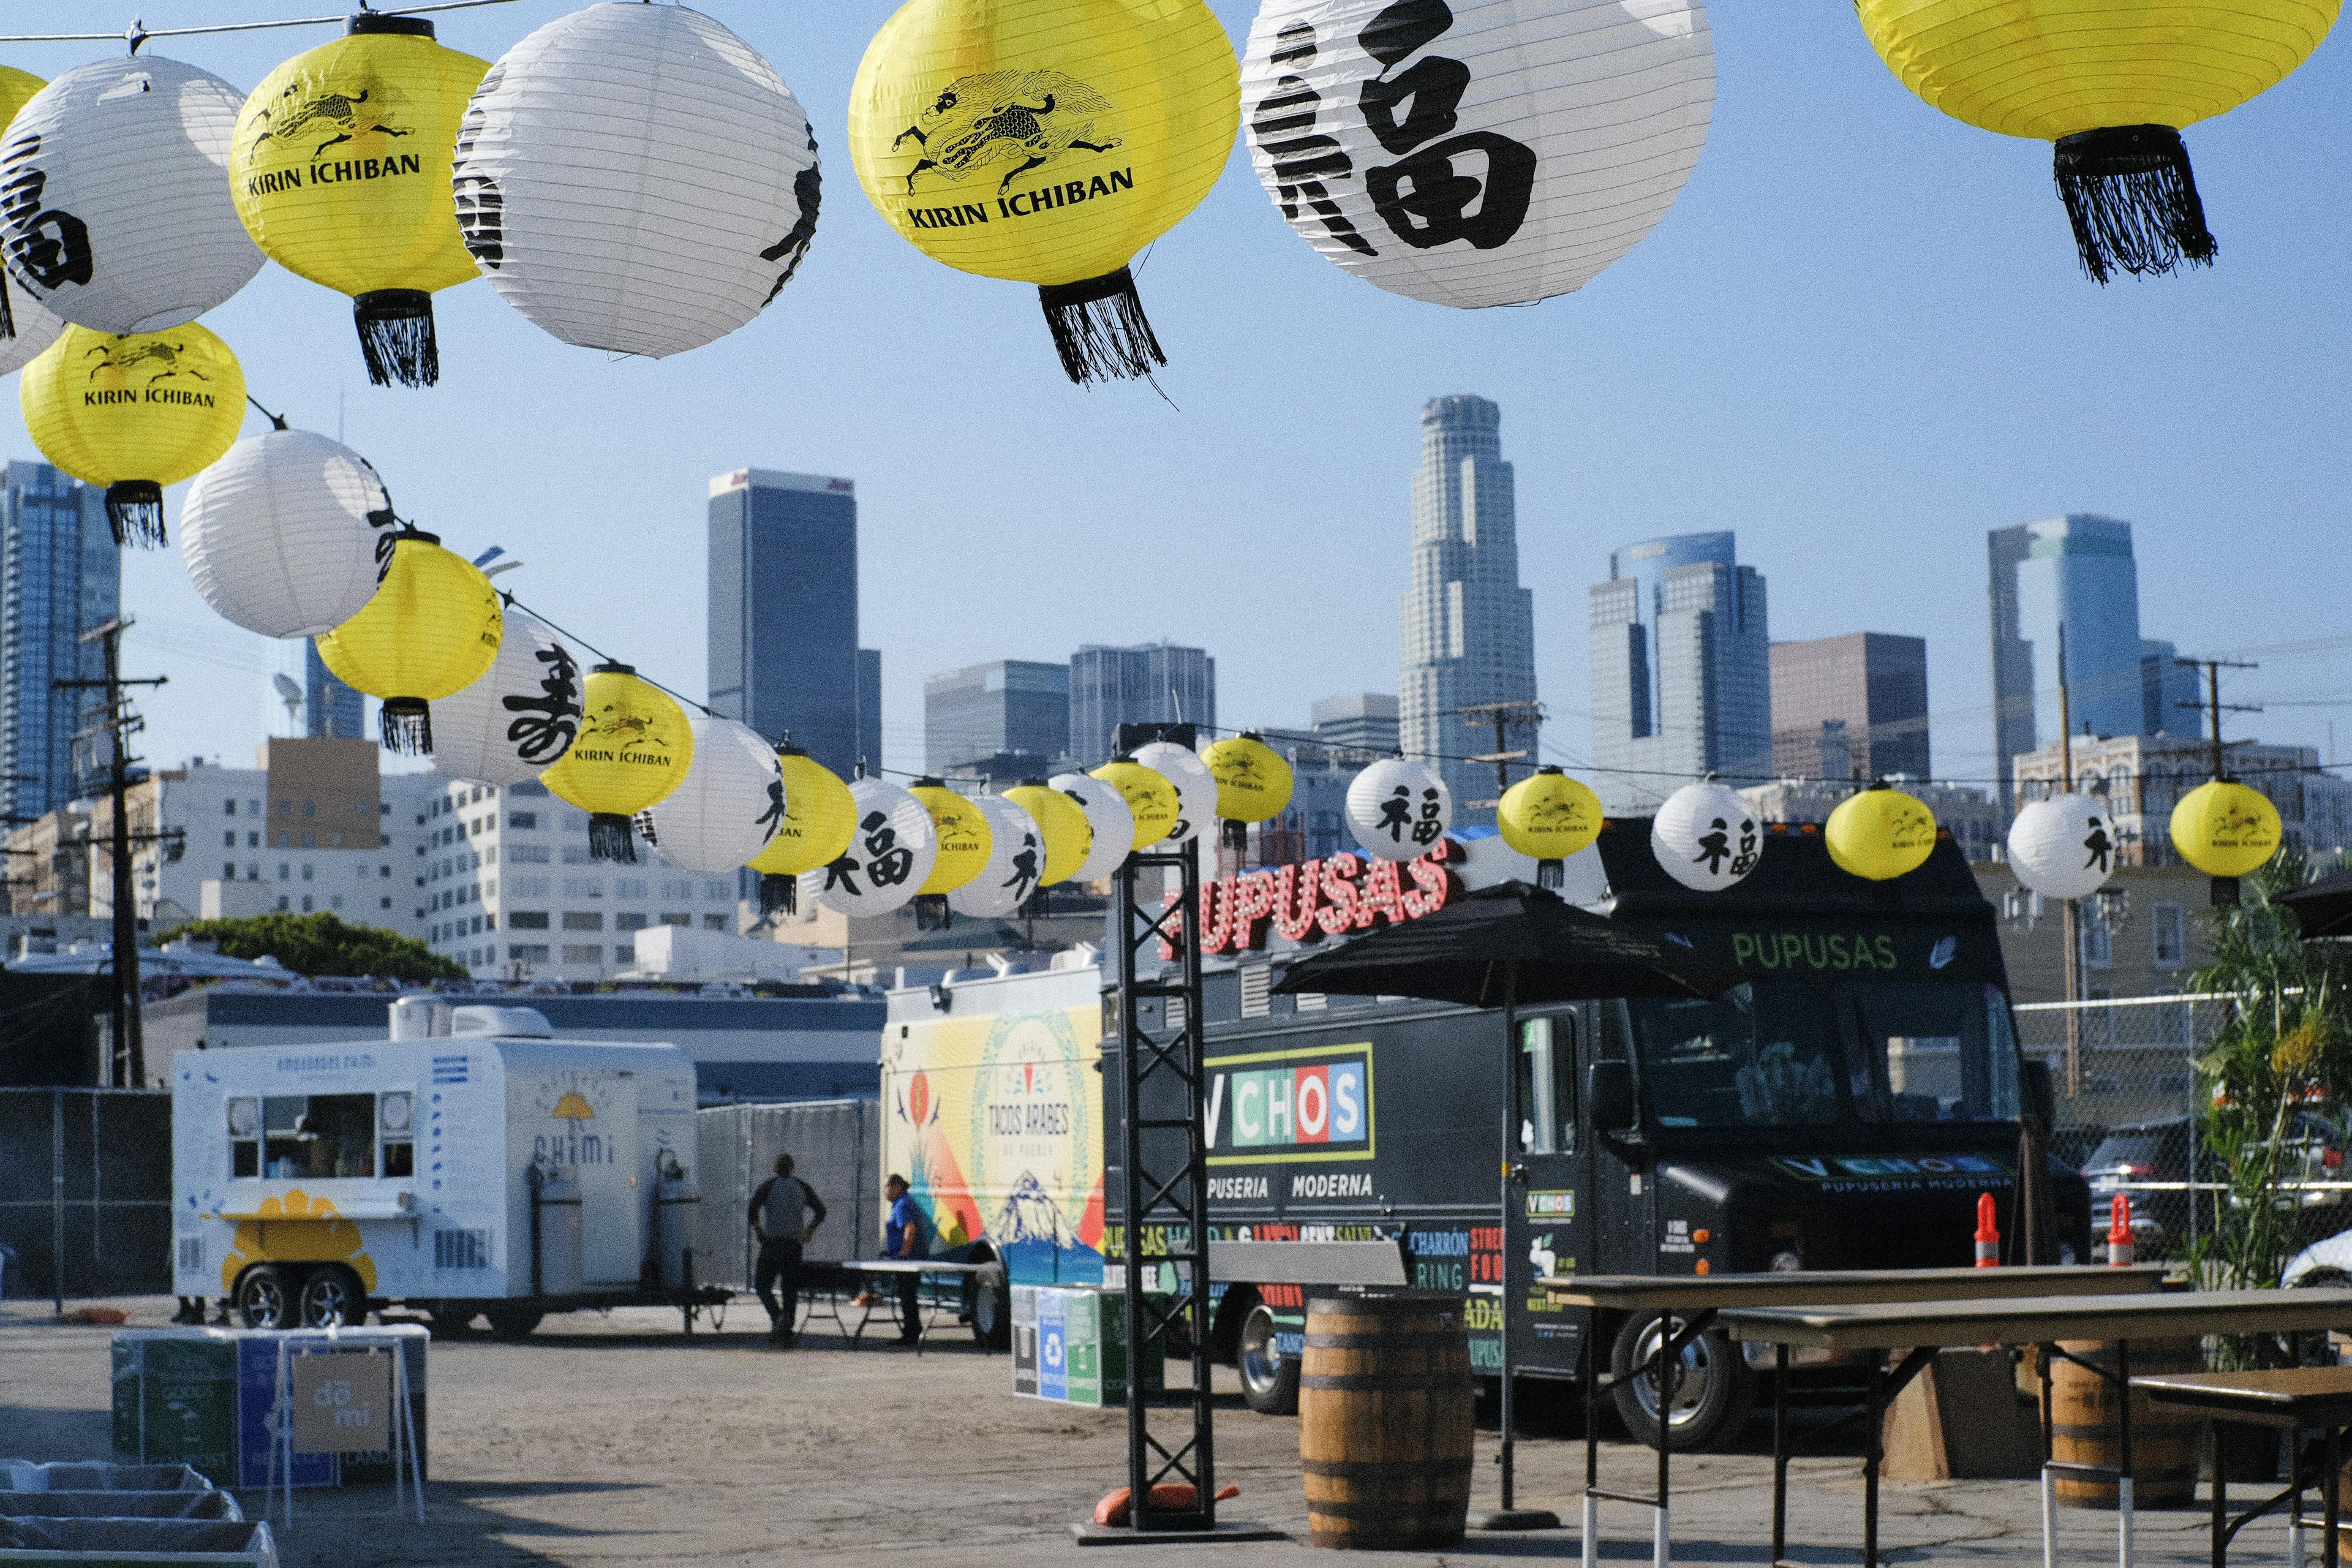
<point x="1791" y="1054"/>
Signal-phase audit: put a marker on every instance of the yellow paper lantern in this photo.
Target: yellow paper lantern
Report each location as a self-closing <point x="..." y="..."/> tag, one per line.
<point x="2225" y="828"/>
<point x="133" y="412"/>
<point x="341" y="172"/>
<point x="433" y="629"/>
<point x="2112" y="83"/>
<point x="963" y="837"/>
<point x="633" y="747"/>
<point x="1061" y="823"/>
<point x="1253" y="784"/>
<point x="1047" y="141"/>
<point x="1148" y="796"/>
<point x="819" y="819"/>
<point x="1549" y="817"/>
<point x="1880" y="834"/>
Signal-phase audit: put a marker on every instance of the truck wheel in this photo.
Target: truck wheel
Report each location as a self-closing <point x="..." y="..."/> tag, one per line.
<point x="264" y="1298"/>
<point x="332" y="1297"/>
<point x="514" y="1322"/>
<point x="1711" y="1400"/>
<point x="1269" y="1381"/>
<point x="451" y="1320"/>
<point x="989" y="1309"/>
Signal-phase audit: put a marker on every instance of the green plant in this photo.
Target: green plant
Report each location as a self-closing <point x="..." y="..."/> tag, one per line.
<point x="2286" y="1047"/>
<point x="323" y="945"/>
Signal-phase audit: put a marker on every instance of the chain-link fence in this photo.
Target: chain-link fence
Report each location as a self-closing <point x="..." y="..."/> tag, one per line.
<point x="2130" y="1115"/>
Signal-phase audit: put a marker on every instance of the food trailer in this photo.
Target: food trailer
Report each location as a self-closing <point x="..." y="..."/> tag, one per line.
<point x="469" y="1164"/>
<point x="1843" y="1107"/>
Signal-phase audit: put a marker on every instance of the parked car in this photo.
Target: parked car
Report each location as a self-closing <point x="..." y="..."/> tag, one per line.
<point x="2127" y="1159"/>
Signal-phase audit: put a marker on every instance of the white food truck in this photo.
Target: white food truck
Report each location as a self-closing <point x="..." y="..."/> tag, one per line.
<point x="467" y="1165"/>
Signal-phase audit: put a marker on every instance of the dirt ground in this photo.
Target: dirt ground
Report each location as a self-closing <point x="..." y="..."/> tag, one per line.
<point x="610" y="1439"/>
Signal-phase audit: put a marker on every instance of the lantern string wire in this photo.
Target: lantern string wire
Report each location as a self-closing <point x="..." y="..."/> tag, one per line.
<point x="139" y="33"/>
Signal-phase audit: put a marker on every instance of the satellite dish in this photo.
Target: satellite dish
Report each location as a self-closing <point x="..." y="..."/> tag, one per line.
<point x="288" y="692"/>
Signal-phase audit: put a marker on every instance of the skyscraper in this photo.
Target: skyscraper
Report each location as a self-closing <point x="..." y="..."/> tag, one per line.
<point x="1157" y="683"/>
<point x="1466" y="629"/>
<point x="784" y="614"/>
<point x="2167" y="692"/>
<point x="1681" y="670"/>
<point x="869" y="709"/>
<point x="1007" y="708"/>
<point x="305" y="700"/>
<point x="1861" y="698"/>
<point x="60" y="574"/>
<point x="2077" y="572"/>
<point x="1363" y="721"/>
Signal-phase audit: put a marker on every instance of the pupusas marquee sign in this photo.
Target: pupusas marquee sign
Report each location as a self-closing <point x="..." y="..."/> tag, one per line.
<point x="1306" y="902"/>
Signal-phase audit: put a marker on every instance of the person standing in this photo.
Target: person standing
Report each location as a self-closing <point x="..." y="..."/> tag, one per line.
<point x="906" y="1235"/>
<point x="780" y="1217"/>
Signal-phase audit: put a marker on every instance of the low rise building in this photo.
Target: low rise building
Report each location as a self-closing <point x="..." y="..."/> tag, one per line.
<point x="1972" y="814"/>
<point x="2142" y="777"/>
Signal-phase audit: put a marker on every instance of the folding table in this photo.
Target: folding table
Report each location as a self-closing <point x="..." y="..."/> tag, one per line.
<point x="1922" y="1328"/>
<point x="1697" y="1298"/>
<point x="2296" y="1399"/>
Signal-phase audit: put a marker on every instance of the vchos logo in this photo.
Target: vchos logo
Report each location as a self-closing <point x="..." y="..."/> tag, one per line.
<point x="1288" y="1106"/>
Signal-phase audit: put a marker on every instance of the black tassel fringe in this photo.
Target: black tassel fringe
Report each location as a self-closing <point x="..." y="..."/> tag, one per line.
<point x="406" y="726"/>
<point x="396" y="335"/>
<point x="931" y="912"/>
<point x="1099" y="328"/>
<point x="7" y="313"/>
<point x="779" y="895"/>
<point x="609" y="838"/>
<point x="1234" y="835"/>
<point x="2132" y="200"/>
<point x="135" y="509"/>
<point x="644" y="823"/>
<point x="1548" y="874"/>
<point x="2225" y="893"/>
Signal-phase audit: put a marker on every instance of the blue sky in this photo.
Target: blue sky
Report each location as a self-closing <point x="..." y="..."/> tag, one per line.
<point x="1860" y="340"/>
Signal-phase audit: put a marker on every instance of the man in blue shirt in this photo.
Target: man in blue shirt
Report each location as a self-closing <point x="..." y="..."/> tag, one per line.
<point x="906" y="1235"/>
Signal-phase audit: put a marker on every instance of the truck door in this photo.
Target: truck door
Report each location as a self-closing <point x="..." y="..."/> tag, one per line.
<point x="1548" y="1227"/>
<point x="613" y="1191"/>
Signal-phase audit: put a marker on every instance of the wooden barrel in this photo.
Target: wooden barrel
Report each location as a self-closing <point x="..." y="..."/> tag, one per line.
<point x="2165" y="1439"/>
<point x="1386" y="1415"/>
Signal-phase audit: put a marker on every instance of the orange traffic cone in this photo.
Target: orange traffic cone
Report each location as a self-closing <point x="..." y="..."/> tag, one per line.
<point x="1988" y="1234"/>
<point x="2120" y="1232"/>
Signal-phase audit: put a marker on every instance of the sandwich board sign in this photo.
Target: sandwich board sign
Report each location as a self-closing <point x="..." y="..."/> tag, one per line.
<point x="342" y="1402"/>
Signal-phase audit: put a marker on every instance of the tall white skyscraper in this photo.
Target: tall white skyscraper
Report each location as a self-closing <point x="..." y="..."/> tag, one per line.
<point x="1682" y="671"/>
<point x="1465" y="629"/>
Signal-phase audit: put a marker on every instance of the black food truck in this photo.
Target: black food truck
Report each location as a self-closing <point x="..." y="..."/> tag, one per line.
<point x="1843" y="1107"/>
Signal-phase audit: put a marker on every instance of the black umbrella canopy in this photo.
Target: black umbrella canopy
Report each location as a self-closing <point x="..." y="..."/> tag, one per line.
<point x="2324" y="908"/>
<point x="1461" y="953"/>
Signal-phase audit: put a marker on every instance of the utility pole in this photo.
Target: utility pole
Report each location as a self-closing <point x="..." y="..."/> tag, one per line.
<point x="2225" y="888"/>
<point x="118" y="724"/>
<point x="2071" y="910"/>
<point x="1503" y="716"/>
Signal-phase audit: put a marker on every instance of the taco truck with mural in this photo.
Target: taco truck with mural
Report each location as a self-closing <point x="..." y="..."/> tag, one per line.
<point x="468" y="1166"/>
<point x="1842" y="1108"/>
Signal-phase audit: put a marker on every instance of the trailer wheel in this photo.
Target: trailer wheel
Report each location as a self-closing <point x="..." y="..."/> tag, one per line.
<point x="1269" y="1380"/>
<point x="514" y="1322"/>
<point x="451" y="1320"/>
<point x="989" y="1306"/>
<point x="1711" y="1400"/>
<point x="332" y="1297"/>
<point x="264" y="1298"/>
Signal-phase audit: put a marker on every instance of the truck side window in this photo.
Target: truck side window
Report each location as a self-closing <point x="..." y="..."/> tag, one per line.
<point x="319" y="1135"/>
<point x="1616" y="1044"/>
<point x="244" y="1115"/>
<point x="1546" y="1065"/>
<point x="397" y="1113"/>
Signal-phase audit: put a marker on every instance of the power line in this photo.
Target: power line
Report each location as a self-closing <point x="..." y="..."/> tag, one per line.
<point x="139" y="33"/>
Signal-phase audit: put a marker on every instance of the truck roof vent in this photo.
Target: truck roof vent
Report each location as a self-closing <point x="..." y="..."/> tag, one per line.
<point x="514" y="1023"/>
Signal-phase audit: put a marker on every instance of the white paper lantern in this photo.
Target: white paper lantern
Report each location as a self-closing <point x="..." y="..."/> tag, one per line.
<point x="728" y="806"/>
<point x="1108" y="815"/>
<point x="114" y="199"/>
<point x="1488" y="152"/>
<point x="1706" y="836"/>
<point x="1398" y="809"/>
<point x="37" y="327"/>
<point x="2062" y="848"/>
<point x="518" y="720"/>
<point x="636" y="178"/>
<point x="281" y="535"/>
<point x="1016" y="855"/>
<point x="1196" y="787"/>
<point x="889" y="856"/>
